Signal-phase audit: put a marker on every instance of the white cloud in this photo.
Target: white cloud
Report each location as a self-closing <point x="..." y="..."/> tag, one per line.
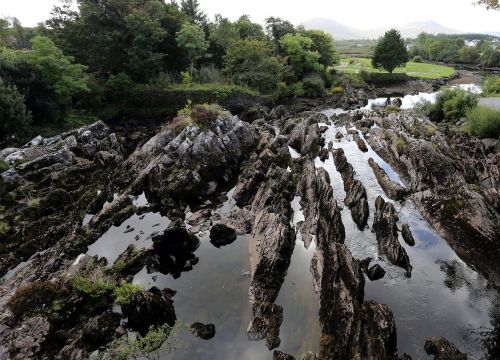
<point x="457" y="14"/>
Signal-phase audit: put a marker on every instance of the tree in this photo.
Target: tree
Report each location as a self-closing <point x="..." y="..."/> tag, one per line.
<point x="490" y="4"/>
<point x="46" y="77"/>
<point x="135" y="37"/>
<point x="249" y="30"/>
<point x="301" y="57"/>
<point x="192" y="39"/>
<point x="323" y="44"/>
<point x="14" y="117"/>
<point x="192" y="9"/>
<point x="390" y="52"/>
<point x="251" y="62"/>
<point x="468" y="54"/>
<point x="276" y="29"/>
<point x="223" y="32"/>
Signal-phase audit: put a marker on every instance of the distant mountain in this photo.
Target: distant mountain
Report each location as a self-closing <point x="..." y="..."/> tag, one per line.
<point x="340" y="31"/>
<point x="336" y="29"/>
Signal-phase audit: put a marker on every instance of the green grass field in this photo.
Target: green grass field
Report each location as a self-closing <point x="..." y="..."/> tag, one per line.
<point x="419" y="70"/>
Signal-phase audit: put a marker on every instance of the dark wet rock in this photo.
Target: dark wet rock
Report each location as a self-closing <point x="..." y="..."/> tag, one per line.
<point x="339" y="135"/>
<point x="131" y="261"/>
<point x="323" y="129"/>
<point x="386" y="231"/>
<point x="393" y="190"/>
<point x="405" y="356"/>
<point x="407" y="235"/>
<point x="375" y="272"/>
<point x="365" y="263"/>
<point x="265" y="323"/>
<point x="174" y="249"/>
<point x="278" y="355"/>
<point x="442" y="349"/>
<point x="397" y="102"/>
<point x="364" y="123"/>
<point x="356" y="198"/>
<point x="101" y="329"/>
<point x="360" y="142"/>
<point x="203" y="331"/>
<point x="277" y="112"/>
<point x="324" y="154"/>
<point x="222" y="235"/>
<point x="27" y="340"/>
<point x="149" y="308"/>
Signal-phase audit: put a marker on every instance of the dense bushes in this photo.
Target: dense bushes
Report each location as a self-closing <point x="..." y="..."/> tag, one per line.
<point x="314" y="85"/>
<point x="418" y="59"/>
<point x="452" y="105"/>
<point x="483" y="122"/>
<point x="14" y="117"/>
<point x="491" y="86"/>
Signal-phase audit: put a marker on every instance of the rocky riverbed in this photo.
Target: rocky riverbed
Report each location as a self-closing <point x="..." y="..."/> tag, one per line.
<point x="326" y="234"/>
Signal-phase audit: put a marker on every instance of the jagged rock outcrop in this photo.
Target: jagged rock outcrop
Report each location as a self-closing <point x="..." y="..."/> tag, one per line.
<point x="454" y="181"/>
<point x="442" y="349"/>
<point x="386" y="231"/>
<point x="348" y="324"/>
<point x="393" y="190"/>
<point x="356" y="198"/>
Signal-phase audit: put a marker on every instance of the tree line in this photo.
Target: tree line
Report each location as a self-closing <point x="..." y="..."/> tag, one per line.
<point x="454" y="49"/>
<point x="106" y="46"/>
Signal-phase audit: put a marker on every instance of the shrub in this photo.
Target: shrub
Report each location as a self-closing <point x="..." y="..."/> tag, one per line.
<point x="123" y="293"/>
<point x="418" y="59"/>
<point x="4" y="165"/>
<point x="350" y="81"/>
<point x="203" y="115"/>
<point x="94" y="286"/>
<point x="391" y="109"/>
<point x="337" y="90"/>
<point x="491" y="86"/>
<point x="156" y="344"/>
<point x="314" y="85"/>
<point x="483" y="122"/>
<point x="452" y="105"/>
<point x="14" y="117"/>
<point x="209" y="74"/>
<point x="33" y="298"/>
<point x="400" y="145"/>
<point x="297" y="89"/>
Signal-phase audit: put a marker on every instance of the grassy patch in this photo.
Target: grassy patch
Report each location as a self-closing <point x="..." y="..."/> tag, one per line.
<point x="419" y="70"/>
<point x="94" y="286"/>
<point x="483" y="122"/>
<point x="123" y="293"/>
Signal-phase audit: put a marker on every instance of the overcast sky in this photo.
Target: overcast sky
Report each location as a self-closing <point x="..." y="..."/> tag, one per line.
<point x="364" y="14"/>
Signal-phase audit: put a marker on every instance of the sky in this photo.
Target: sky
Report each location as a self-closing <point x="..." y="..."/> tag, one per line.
<point x="461" y="15"/>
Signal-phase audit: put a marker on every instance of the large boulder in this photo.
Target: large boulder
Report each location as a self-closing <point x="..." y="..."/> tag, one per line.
<point x="221" y="235"/>
<point x="150" y="308"/>
<point x="442" y="349"/>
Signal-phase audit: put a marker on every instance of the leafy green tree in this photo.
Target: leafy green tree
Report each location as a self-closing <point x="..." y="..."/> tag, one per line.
<point x="192" y="39"/>
<point x="276" y="29"/>
<point x="223" y="32"/>
<point x="14" y="117"/>
<point x="192" y="9"/>
<point x="249" y="30"/>
<point x="301" y="57"/>
<point x="468" y="54"/>
<point x="48" y="79"/>
<point x="4" y="32"/>
<point x="390" y="52"/>
<point x="135" y="37"/>
<point x="323" y="44"/>
<point x="252" y="63"/>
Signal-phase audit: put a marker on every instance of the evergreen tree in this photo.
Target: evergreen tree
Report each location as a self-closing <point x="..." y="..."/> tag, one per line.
<point x="390" y="52"/>
<point x="192" y="9"/>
